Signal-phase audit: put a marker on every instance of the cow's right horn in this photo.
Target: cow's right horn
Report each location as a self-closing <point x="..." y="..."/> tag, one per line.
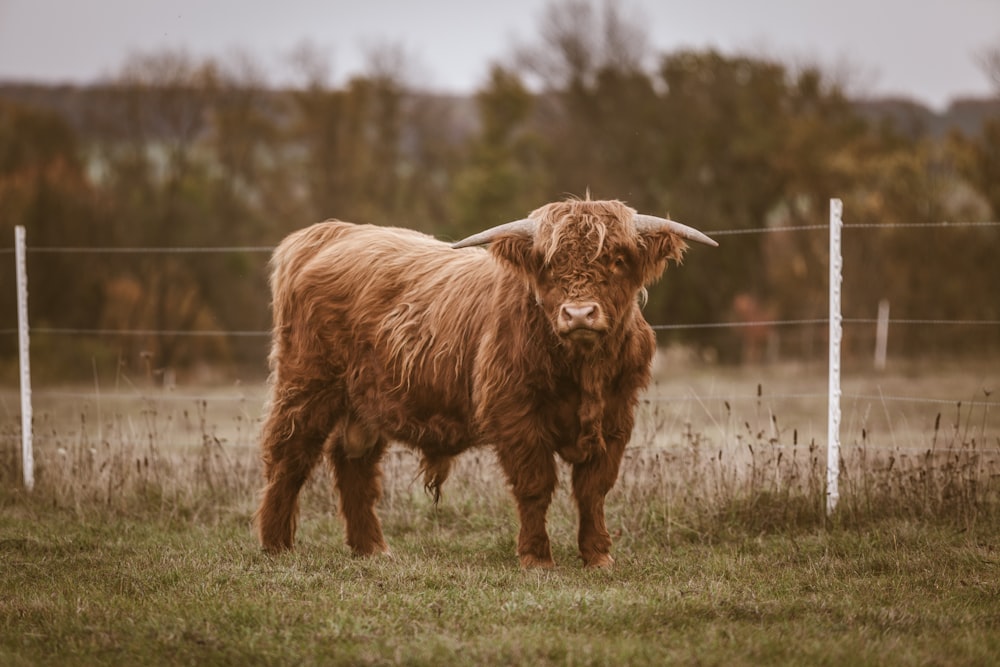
<point x="525" y="227"/>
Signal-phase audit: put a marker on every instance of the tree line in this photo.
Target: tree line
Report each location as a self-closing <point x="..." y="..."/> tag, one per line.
<point x="177" y="151"/>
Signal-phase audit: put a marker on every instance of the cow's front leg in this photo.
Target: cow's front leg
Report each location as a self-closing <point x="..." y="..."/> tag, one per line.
<point x="531" y="472"/>
<point x="590" y="441"/>
<point x="592" y="480"/>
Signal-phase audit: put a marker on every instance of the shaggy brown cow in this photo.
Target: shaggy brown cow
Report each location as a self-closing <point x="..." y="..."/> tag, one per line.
<point x="536" y="348"/>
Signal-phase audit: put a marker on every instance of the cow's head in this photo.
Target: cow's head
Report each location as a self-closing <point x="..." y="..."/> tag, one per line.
<point x="587" y="261"/>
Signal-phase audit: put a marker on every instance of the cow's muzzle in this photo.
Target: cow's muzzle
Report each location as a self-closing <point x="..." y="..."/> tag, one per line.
<point x="581" y="319"/>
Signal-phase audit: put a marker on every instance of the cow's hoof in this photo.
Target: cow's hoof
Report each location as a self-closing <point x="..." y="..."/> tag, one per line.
<point x="531" y="562"/>
<point x="276" y="548"/>
<point x="599" y="560"/>
<point x="372" y="551"/>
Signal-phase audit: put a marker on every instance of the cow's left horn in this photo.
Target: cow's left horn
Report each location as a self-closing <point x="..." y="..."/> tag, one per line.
<point x="649" y="223"/>
<point x="525" y="227"/>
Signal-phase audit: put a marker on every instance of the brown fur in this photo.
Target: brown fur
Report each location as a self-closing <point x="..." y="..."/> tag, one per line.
<point x="384" y="334"/>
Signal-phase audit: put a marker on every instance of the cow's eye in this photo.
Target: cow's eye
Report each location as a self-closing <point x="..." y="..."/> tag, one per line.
<point x="620" y="264"/>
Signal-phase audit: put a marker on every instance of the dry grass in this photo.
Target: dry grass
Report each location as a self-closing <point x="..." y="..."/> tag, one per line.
<point x="714" y="450"/>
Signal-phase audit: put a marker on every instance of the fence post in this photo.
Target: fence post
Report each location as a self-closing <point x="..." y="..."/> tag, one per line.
<point x="836" y="332"/>
<point x="882" y="334"/>
<point x="27" y="455"/>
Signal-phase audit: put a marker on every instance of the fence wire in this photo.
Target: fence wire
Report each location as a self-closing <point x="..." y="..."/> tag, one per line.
<point x="137" y="250"/>
<point x="267" y="249"/>
<point x="148" y="332"/>
<point x="172" y="396"/>
<point x="59" y="331"/>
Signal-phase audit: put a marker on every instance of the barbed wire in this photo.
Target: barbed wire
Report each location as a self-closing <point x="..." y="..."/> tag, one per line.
<point x="657" y="327"/>
<point x="766" y="230"/>
<point x="637" y="448"/>
<point x="171" y="395"/>
<point x="253" y="333"/>
<point x="929" y="449"/>
<point x="147" y="250"/>
<point x="905" y="321"/>
<point x="723" y="325"/>
<point x="765" y="398"/>
<point x="149" y="332"/>
<point x="688" y="398"/>
<point x="918" y="225"/>
<point x="846" y="320"/>
<point x="268" y="249"/>
<point x="918" y="399"/>
<point x="162" y="395"/>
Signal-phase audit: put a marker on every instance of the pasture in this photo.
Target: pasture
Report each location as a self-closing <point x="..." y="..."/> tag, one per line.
<point x="136" y="547"/>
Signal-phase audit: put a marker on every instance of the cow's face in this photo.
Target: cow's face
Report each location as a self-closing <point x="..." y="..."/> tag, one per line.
<point x="587" y="264"/>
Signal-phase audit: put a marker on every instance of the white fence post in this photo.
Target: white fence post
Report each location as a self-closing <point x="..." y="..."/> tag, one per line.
<point x="882" y="334"/>
<point x="836" y="332"/>
<point x="27" y="455"/>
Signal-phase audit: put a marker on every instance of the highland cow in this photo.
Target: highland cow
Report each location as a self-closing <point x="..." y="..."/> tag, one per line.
<point x="535" y="347"/>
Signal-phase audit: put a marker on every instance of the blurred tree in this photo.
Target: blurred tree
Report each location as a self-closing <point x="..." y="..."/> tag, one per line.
<point x="724" y="122"/>
<point x="373" y="151"/>
<point x="504" y="175"/>
<point x="184" y="152"/>
<point x="576" y="42"/>
<point x="249" y="191"/>
<point x="716" y="141"/>
<point x="955" y="290"/>
<point x="43" y="186"/>
<point x="979" y="157"/>
<point x="184" y="145"/>
<point x="597" y="107"/>
<point x="980" y="162"/>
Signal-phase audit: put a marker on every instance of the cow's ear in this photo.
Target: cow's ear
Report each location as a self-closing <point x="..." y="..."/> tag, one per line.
<point x="516" y="250"/>
<point x="658" y="248"/>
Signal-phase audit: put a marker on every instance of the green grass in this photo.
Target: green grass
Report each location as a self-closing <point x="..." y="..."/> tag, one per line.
<point x="140" y="590"/>
<point x="135" y="546"/>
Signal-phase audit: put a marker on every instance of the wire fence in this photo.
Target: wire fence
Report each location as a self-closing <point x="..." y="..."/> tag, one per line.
<point x="264" y="333"/>
<point x="666" y="400"/>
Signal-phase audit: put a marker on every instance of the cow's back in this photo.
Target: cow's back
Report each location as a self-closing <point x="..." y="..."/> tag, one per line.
<point x="390" y="316"/>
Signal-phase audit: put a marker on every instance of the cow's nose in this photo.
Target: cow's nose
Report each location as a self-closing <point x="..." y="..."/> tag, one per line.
<point x="583" y="315"/>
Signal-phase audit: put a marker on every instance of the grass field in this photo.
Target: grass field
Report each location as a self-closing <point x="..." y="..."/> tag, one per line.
<point x="134" y="590"/>
<point x="135" y="546"/>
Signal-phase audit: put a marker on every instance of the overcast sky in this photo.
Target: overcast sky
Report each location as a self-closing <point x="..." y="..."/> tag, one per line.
<point x="925" y="49"/>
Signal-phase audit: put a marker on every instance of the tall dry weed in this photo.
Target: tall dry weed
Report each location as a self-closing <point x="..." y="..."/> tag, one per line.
<point x="747" y="474"/>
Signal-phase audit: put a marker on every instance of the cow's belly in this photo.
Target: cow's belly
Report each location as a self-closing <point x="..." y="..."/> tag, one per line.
<point x="426" y="420"/>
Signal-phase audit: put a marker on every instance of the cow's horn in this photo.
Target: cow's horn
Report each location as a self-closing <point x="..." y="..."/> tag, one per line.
<point x="525" y="227"/>
<point x="649" y="223"/>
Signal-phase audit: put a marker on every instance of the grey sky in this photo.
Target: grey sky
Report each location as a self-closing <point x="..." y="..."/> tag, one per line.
<point x="924" y="49"/>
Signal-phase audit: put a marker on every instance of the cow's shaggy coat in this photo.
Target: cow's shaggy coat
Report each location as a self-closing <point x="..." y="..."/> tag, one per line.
<point x="535" y="347"/>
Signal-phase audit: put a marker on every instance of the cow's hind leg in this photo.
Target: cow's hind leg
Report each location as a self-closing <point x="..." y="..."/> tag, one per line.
<point x="532" y="476"/>
<point x="291" y="447"/>
<point x="359" y="485"/>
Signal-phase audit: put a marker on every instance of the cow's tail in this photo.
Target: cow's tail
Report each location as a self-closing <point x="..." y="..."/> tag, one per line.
<point x="287" y="262"/>
<point x="435" y="470"/>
